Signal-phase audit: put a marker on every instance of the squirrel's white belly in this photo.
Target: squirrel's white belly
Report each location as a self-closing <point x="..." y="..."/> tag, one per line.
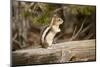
<point x="50" y="37"/>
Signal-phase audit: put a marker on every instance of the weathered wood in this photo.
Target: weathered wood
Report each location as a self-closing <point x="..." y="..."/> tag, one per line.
<point x="58" y="53"/>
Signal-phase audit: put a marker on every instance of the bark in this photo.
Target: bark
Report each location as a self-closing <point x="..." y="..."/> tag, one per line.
<point x="58" y="53"/>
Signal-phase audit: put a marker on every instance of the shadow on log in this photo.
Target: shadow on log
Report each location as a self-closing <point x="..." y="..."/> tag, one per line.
<point x="59" y="53"/>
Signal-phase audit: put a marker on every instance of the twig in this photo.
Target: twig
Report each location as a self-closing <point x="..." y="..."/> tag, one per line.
<point x="86" y="28"/>
<point x="55" y="39"/>
<point x="14" y="37"/>
<point x="58" y="9"/>
<point x="89" y="36"/>
<point x="41" y="7"/>
<point x="74" y="31"/>
<point x="78" y="30"/>
<point x="17" y="42"/>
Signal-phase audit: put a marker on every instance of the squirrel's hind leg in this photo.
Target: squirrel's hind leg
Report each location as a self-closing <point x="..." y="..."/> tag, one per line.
<point x="44" y="45"/>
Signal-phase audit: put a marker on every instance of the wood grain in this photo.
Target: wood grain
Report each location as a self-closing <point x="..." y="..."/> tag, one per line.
<point x="73" y="51"/>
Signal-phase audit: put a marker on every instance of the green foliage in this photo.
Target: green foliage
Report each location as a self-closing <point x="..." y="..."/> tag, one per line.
<point x="43" y="19"/>
<point x="85" y="10"/>
<point x="45" y="11"/>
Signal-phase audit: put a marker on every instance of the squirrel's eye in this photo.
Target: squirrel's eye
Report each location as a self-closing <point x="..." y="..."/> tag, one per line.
<point x="59" y="19"/>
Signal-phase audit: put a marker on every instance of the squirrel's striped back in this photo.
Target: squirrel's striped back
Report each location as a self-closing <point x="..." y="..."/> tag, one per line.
<point x="44" y="33"/>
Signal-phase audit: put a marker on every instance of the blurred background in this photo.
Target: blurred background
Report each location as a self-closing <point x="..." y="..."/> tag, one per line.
<point x="29" y="18"/>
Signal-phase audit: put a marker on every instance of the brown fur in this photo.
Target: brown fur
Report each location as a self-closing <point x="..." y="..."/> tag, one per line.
<point x="54" y="28"/>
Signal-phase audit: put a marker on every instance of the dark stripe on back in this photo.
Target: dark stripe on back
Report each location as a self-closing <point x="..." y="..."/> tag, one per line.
<point x="47" y="33"/>
<point x="42" y="32"/>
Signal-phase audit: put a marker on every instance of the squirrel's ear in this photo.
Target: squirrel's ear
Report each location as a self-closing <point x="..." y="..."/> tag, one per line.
<point x="53" y="20"/>
<point x="55" y="16"/>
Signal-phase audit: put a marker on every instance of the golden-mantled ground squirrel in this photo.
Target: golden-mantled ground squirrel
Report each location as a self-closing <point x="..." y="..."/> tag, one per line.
<point x="50" y="31"/>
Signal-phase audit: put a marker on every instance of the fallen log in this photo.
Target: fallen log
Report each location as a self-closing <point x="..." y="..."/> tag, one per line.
<point x="73" y="51"/>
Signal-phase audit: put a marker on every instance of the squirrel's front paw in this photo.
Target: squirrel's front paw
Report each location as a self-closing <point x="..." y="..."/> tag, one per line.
<point x="58" y="30"/>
